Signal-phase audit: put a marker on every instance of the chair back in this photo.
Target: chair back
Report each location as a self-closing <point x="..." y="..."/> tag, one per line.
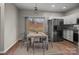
<point x="37" y="39"/>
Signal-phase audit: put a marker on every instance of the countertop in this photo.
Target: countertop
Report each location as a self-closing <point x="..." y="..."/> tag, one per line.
<point x="75" y="31"/>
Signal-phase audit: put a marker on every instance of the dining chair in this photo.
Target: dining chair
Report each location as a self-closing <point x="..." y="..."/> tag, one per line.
<point x="26" y="42"/>
<point x="45" y="44"/>
<point x="38" y="40"/>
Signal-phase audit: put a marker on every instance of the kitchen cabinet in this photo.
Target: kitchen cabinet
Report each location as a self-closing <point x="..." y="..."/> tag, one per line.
<point x="70" y="20"/>
<point x="73" y="21"/>
<point x="77" y="20"/>
<point x="65" y="34"/>
<point x="71" y="35"/>
<point x="75" y="37"/>
<point x="66" y="21"/>
<point x="68" y="34"/>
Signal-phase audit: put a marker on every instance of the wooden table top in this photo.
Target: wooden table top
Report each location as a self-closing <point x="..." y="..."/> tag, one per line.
<point x="34" y="34"/>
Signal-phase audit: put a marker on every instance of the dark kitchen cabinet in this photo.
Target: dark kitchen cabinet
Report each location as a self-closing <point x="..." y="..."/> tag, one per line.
<point x="75" y="38"/>
<point x="77" y="20"/>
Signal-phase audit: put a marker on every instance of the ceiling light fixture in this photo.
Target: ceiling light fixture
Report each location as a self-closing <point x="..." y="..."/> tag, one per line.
<point x="53" y="5"/>
<point x="64" y="7"/>
<point x="36" y="9"/>
<point x="35" y="13"/>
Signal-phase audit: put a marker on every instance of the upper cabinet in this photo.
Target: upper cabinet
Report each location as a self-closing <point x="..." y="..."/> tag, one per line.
<point x="66" y="21"/>
<point x="70" y="20"/>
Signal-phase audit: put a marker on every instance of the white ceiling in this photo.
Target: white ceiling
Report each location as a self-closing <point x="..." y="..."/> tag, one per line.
<point x="59" y="7"/>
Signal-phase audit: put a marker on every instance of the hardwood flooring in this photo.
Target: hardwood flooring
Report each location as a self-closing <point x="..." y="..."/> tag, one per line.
<point x="54" y="48"/>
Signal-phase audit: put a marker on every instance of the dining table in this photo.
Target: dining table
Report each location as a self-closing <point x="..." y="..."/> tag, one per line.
<point x="33" y="35"/>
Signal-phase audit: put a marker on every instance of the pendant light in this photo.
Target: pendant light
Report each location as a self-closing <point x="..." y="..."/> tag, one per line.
<point x="35" y="13"/>
<point x="35" y="10"/>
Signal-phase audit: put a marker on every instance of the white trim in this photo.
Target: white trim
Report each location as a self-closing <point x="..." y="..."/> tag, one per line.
<point x="9" y="47"/>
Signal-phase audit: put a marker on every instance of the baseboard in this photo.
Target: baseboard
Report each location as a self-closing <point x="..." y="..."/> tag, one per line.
<point x="5" y="51"/>
<point x="1" y="52"/>
<point x="70" y="41"/>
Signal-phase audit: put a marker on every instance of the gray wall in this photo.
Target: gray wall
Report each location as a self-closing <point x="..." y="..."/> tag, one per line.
<point x="8" y="26"/>
<point x="11" y="26"/>
<point x="2" y="18"/>
<point x="0" y="28"/>
<point x="73" y="14"/>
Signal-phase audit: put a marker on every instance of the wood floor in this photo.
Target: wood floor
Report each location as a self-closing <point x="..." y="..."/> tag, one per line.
<point x="56" y="48"/>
